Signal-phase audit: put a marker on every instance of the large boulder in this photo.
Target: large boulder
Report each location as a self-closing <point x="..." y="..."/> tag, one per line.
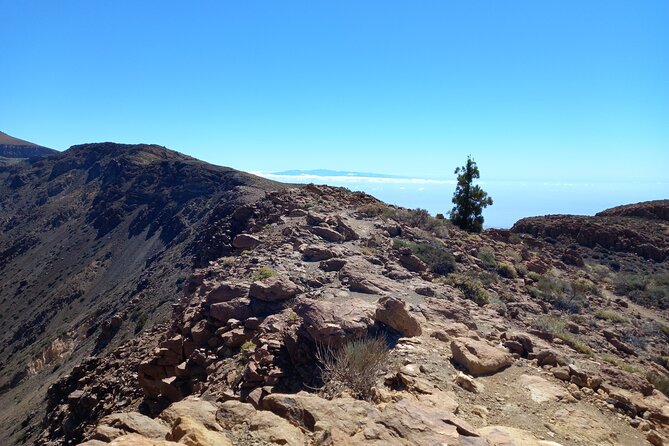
<point x="246" y="241"/>
<point x="226" y="291"/>
<point x="264" y="426"/>
<point x="316" y="253"/>
<point x="479" y="358"/>
<point x="328" y="233"/>
<point x="333" y="323"/>
<point x="197" y="409"/>
<point x="274" y="289"/>
<point x="119" y="424"/>
<point x="306" y="411"/>
<point x="238" y="308"/>
<point x="392" y="312"/>
<point x="360" y="275"/>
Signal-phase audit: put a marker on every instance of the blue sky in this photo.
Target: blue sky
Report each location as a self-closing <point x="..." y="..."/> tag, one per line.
<point x="534" y="90"/>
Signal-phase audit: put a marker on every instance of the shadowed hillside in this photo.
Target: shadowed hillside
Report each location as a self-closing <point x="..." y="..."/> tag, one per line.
<point x="95" y="243"/>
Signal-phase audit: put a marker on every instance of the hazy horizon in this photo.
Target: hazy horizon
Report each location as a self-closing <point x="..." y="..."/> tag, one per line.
<point x="513" y="200"/>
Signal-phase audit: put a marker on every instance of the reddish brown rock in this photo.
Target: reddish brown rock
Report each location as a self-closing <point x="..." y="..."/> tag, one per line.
<point x="479" y="358"/>
<point x="275" y="288"/>
<point x="392" y="312"/>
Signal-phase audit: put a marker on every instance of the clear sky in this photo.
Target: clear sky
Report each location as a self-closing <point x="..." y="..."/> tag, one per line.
<point x="536" y="90"/>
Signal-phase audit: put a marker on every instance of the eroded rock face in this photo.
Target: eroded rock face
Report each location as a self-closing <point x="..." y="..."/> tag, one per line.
<point x="392" y="312"/>
<point x="334" y="323"/>
<point x="479" y="358"/>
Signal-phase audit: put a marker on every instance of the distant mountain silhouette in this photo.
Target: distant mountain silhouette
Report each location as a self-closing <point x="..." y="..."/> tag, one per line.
<point x="11" y="147"/>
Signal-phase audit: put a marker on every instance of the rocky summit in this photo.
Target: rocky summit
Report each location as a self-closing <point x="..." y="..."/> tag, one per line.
<point x="151" y="299"/>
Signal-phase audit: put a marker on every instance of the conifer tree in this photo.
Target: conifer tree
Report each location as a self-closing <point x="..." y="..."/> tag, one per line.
<point x="469" y="199"/>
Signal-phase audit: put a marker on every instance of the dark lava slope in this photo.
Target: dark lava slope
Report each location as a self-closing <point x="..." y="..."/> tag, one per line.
<point x="95" y="243"/>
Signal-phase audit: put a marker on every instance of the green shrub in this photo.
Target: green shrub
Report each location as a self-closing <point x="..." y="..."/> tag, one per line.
<point x="354" y="367"/>
<point x="507" y="270"/>
<point x="262" y="273"/>
<point x="487" y="255"/>
<point x="533" y="276"/>
<point x="521" y="269"/>
<point x="471" y="288"/>
<point x="435" y="256"/>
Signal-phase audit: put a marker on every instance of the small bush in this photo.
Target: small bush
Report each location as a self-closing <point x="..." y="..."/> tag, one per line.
<point x="560" y="293"/>
<point x="140" y="318"/>
<point x="556" y="327"/>
<point x="609" y="315"/>
<point x="247" y="349"/>
<point x="354" y="367"/>
<point x="417" y="218"/>
<point x="534" y="277"/>
<point x="436" y="257"/>
<point x="661" y="382"/>
<point x="471" y="288"/>
<point x="487" y="255"/>
<point x="651" y="290"/>
<point x="507" y="270"/>
<point x="262" y="273"/>
<point x="521" y="269"/>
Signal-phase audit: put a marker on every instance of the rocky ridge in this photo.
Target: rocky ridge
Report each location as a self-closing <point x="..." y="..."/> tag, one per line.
<point x="95" y="242"/>
<point x="481" y="356"/>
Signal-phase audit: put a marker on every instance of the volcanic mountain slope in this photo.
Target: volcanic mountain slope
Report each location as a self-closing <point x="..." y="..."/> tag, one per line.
<point x="95" y="243"/>
<point x="11" y="147"/>
<point x="490" y="339"/>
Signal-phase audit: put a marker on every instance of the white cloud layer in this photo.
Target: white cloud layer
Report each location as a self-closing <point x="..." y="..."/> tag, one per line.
<point x="348" y="179"/>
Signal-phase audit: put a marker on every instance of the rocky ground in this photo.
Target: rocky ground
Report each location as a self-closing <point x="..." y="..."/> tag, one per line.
<point x="492" y="339"/>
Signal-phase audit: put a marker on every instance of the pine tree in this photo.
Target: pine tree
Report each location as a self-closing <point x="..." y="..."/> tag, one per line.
<point x="469" y="199"/>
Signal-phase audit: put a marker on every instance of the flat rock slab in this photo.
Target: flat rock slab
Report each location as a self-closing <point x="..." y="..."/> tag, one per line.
<point x="541" y="390"/>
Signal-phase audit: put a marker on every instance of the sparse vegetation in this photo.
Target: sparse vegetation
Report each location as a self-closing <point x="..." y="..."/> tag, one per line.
<point x="661" y="382"/>
<point x="228" y="261"/>
<point x="262" y="273"/>
<point x="246" y="350"/>
<point x="507" y="270"/>
<point x="628" y="367"/>
<point x="650" y="290"/>
<point x="435" y="256"/>
<point x="610" y="315"/>
<point x="470" y="287"/>
<point x="366" y="250"/>
<point x="140" y="318"/>
<point x="569" y="296"/>
<point x="557" y="328"/>
<point x="487" y="255"/>
<point x="354" y="367"/>
<point x="418" y="218"/>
